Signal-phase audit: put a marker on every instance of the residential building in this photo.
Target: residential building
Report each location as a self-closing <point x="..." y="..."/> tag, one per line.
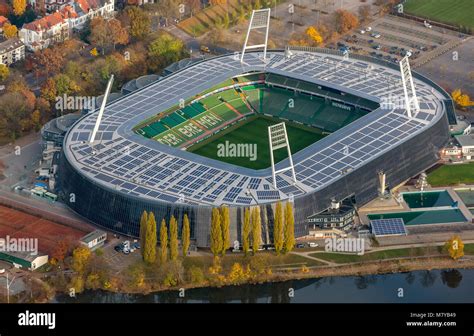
<point x="466" y="143"/>
<point x="57" y="27"/>
<point x="11" y="51"/>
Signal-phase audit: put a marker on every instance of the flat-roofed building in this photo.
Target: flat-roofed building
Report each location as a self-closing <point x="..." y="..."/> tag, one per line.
<point x="11" y="51"/>
<point x="94" y="240"/>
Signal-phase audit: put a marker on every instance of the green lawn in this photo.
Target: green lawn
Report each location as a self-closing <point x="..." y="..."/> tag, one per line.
<point x="456" y="12"/>
<point x="388" y="254"/>
<point x="255" y="132"/>
<point x="452" y="175"/>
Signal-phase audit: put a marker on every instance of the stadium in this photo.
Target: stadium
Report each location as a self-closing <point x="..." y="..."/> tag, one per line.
<point x="156" y="148"/>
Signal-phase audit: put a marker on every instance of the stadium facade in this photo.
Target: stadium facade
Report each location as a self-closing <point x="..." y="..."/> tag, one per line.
<point x="112" y="181"/>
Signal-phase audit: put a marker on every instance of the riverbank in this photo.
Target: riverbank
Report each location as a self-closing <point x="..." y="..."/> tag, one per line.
<point x="369" y="268"/>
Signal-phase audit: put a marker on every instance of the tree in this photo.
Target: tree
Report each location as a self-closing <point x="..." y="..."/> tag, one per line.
<point x="106" y="33"/>
<point x="463" y="100"/>
<point x="94" y="52"/>
<point x="164" y="50"/>
<point x="80" y="259"/>
<point x="256" y="230"/>
<point x="246" y="231"/>
<point x="143" y="228"/>
<point x="19" y="7"/>
<point x="60" y="251"/>
<point x="193" y="5"/>
<point x="185" y="235"/>
<point x="4" y="72"/>
<point x="364" y="12"/>
<point x="345" y="21"/>
<point x="217" y="2"/>
<point x="149" y="255"/>
<point x="10" y="30"/>
<point x="455" y="247"/>
<point x="118" y="34"/>
<point x="225" y="224"/>
<point x="173" y="238"/>
<point x="278" y="228"/>
<point x="51" y="60"/>
<point x="163" y="242"/>
<point x="216" y="233"/>
<point x="289" y="232"/>
<point x="314" y="35"/>
<point x="139" y="21"/>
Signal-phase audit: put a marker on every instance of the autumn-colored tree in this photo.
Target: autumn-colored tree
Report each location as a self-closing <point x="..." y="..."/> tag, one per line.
<point x="217" y="2"/>
<point x="289" y="231"/>
<point x="149" y="255"/>
<point x="216" y="232"/>
<point x="455" y="247"/>
<point x="314" y="35"/>
<point x="364" y="12"/>
<point x="4" y="72"/>
<point x="256" y="230"/>
<point x="36" y="120"/>
<point x="19" y="7"/>
<point x="237" y="274"/>
<point x="345" y="21"/>
<point x="139" y="21"/>
<point x="60" y="251"/>
<point x="246" y="228"/>
<point x="163" y="242"/>
<point x="173" y="239"/>
<point x="278" y="229"/>
<point x="10" y="30"/>
<point x="185" y="235"/>
<point x="4" y="9"/>
<point x="225" y="228"/>
<point x="461" y="99"/>
<point x="105" y="33"/>
<point x="50" y="60"/>
<point x="143" y="228"/>
<point x="80" y="259"/>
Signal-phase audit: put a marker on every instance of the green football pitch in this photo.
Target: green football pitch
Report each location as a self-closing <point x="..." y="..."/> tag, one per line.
<point x="254" y="132"/>
<point x="456" y="12"/>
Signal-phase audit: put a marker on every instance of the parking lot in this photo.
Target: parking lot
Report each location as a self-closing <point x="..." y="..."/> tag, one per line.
<point x="390" y="38"/>
<point x="119" y="261"/>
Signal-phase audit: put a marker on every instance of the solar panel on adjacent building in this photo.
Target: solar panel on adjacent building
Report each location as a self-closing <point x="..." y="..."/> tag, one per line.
<point x="388" y="227"/>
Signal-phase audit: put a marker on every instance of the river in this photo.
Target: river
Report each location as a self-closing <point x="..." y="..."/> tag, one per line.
<point x="436" y="286"/>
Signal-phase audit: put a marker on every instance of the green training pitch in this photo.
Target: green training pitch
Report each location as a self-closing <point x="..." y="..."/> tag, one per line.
<point x="255" y="131"/>
<point x="452" y="175"/>
<point x="456" y="12"/>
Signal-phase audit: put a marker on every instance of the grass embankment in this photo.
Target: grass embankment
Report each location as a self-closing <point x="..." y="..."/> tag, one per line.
<point x="435" y="251"/>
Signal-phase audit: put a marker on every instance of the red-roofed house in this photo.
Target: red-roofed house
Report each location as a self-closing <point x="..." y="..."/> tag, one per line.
<point x="56" y="27"/>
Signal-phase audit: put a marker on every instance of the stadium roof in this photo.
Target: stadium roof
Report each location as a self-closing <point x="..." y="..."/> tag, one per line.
<point x="129" y="163"/>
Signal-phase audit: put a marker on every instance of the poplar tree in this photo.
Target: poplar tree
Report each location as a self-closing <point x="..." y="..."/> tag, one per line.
<point x="216" y="232"/>
<point x="225" y="225"/>
<point x="143" y="226"/>
<point x="149" y="255"/>
<point x="163" y="242"/>
<point x="173" y="238"/>
<point x="185" y="235"/>
<point x="256" y="230"/>
<point x="289" y="228"/>
<point x="246" y="231"/>
<point x="278" y="229"/>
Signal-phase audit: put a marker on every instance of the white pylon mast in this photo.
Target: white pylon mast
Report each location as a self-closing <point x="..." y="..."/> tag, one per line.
<point x="102" y="108"/>
<point x="278" y="138"/>
<point x="259" y="19"/>
<point x="408" y="87"/>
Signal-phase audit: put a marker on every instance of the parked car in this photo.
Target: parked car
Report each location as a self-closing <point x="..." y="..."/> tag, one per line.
<point x="205" y="49"/>
<point x="375" y="35"/>
<point x="368" y="29"/>
<point x="118" y="248"/>
<point x="300" y="245"/>
<point x="312" y="244"/>
<point x="362" y="31"/>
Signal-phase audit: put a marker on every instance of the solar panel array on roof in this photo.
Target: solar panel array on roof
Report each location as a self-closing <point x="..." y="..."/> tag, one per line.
<point x="388" y="227"/>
